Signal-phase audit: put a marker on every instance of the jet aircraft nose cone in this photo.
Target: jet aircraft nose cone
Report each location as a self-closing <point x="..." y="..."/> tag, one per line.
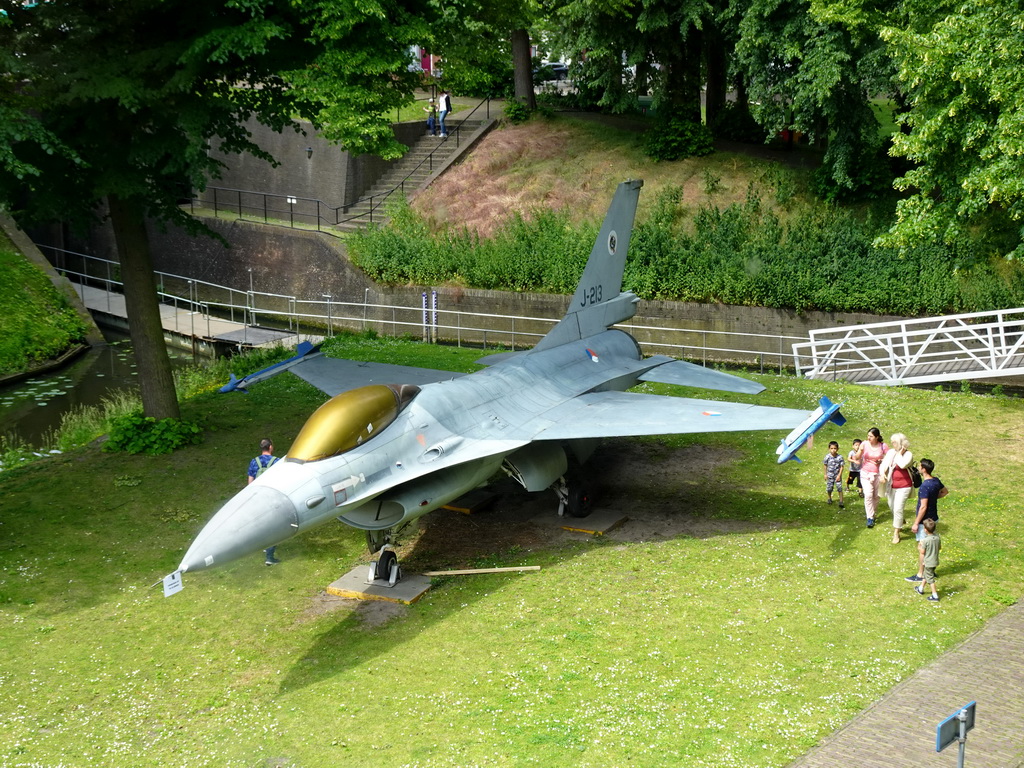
<point x="259" y="516"/>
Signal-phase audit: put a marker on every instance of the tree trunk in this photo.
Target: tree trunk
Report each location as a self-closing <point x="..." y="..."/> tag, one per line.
<point x="156" y="382"/>
<point x="522" y="66"/>
<point x="682" y="85"/>
<point x="742" y="98"/>
<point x="714" y="55"/>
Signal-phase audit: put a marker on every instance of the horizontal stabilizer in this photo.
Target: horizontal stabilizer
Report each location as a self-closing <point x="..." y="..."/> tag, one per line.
<point x="687" y="374"/>
<point x="302" y="352"/>
<point x="498" y="358"/>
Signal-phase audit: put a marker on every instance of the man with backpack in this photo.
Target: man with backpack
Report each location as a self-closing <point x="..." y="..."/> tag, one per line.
<point x="257" y="467"/>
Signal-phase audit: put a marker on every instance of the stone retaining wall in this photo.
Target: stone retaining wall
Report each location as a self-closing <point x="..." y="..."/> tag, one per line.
<point x="308" y="265"/>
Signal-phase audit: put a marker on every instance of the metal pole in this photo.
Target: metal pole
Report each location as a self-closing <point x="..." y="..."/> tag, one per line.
<point x="366" y="299"/>
<point x="424" y="297"/>
<point x="962" y="717"/>
<point x="330" y="319"/>
<point x="434" y="328"/>
<point x="192" y="318"/>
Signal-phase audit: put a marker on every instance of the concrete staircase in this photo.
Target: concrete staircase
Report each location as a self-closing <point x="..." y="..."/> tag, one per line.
<point x="424" y="159"/>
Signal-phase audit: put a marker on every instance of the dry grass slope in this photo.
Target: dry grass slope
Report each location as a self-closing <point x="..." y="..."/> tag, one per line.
<point x="574" y="164"/>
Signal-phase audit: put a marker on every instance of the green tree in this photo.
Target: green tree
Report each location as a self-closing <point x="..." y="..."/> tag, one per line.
<point x="813" y="67"/>
<point x="965" y="84"/>
<point x="663" y="39"/>
<point x="119" y="102"/>
<point x="485" y="45"/>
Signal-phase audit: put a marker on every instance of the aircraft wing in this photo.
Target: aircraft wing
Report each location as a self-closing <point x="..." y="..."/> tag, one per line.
<point x="622" y="414"/>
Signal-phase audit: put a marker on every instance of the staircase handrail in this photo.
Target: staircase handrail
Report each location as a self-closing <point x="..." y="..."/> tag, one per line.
<point x="381" y="197"/>
<point x="428" y="159"/>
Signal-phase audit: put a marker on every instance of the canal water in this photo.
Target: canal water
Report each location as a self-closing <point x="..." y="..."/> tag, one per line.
<point x="32" y="408"/>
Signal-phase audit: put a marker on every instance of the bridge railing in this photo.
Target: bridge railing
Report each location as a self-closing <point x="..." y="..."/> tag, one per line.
<point x="327" y="314"/>
<point x="919" y="351"/>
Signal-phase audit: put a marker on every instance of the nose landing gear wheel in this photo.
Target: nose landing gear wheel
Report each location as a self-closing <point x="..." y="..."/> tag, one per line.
<point x="386" y="568"/>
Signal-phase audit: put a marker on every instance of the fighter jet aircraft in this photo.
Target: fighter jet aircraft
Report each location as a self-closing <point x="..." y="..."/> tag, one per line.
<point x="380" y="456"/>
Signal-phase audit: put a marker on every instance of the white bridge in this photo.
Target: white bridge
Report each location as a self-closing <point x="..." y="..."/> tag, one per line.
<point x="954" y="347"/>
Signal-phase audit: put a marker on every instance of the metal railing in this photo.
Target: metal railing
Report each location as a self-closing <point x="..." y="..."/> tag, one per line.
<point x="430" y="322"/>
<point x="312" y="213"/>
<point x="921" y="351"/>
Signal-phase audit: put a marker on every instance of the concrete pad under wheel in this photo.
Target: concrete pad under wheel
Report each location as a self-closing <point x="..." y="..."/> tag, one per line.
<point x="597" y="523"/>
<point x="354" y="585"/>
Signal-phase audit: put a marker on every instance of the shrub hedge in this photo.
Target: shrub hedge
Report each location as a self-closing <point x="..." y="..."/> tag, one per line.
<point x="822" y="258"/>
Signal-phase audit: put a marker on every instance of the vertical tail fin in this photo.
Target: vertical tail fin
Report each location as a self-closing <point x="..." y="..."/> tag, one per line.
<point x="599" y="302"/>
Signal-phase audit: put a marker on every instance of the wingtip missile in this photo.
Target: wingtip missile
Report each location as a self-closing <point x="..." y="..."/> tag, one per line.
<point x="827" y="411"/>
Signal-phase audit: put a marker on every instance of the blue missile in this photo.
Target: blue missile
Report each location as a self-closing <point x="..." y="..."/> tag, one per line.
<point x="302" y="351"/>
<point x="794" y="441"/>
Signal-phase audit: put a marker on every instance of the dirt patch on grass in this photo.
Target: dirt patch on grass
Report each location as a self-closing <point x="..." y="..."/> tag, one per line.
<point x="371" y="613"/>
<point x="659" y="489"/>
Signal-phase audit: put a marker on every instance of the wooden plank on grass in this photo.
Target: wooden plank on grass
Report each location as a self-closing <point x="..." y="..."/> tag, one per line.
<point x="470" y="571"/>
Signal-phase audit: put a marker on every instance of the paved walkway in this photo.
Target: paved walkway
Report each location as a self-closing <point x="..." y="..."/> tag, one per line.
<point x="182" y="321"/>
<point x="899" y="730"/>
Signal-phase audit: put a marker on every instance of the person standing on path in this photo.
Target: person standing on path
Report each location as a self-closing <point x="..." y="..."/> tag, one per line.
<point x="870" y="455"/>
<point x="444" y="107"/>
<point x="257" y="467"/>
<point x="896" y="478"/>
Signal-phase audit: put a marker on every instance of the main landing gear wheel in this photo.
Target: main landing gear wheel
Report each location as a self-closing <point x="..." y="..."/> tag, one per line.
<point x="579" y="501"/>
<point x="574" y="496"/>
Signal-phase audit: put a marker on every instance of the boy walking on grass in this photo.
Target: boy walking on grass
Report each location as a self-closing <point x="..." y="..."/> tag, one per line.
<point x="834" y="472"/>
<point x="854" y="474"/>
<point x="929" y="548"/>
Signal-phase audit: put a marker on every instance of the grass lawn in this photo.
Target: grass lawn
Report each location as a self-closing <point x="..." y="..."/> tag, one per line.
<point x="738" y="649"/>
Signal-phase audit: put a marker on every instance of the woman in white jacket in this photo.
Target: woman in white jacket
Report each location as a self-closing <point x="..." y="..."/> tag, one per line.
<point x="896" y="477"/>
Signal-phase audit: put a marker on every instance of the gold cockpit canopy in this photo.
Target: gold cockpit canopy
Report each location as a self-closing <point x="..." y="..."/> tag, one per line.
<point x="349" y="420"/>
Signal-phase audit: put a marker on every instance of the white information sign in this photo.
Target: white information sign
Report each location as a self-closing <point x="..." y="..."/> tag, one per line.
<point x="172" y="583"/>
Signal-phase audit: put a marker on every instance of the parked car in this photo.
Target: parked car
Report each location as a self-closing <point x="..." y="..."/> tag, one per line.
<point x="551" y="70"/>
